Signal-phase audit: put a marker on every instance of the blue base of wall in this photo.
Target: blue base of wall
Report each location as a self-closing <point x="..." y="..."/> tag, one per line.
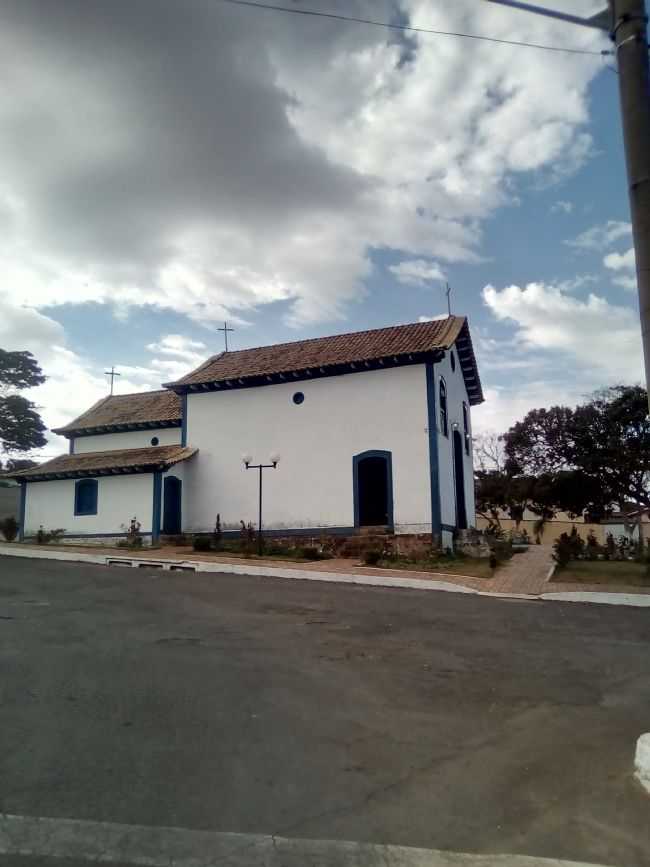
<point x="69" y="536"/>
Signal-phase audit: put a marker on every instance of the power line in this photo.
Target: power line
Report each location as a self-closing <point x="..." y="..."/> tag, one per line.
<point x="272" y="7"/>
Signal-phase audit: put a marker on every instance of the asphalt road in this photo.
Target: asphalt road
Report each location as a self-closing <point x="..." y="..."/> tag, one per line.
<point x="322" y="711"/>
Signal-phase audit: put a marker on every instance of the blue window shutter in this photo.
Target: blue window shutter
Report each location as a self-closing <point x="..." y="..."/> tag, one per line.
<point x="85" y="497"/>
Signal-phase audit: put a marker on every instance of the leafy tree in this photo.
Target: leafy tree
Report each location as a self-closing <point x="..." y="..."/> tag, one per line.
<point x="597" y="455"/>
<point x="19" y="370"/>
<point x="21" y="427"/>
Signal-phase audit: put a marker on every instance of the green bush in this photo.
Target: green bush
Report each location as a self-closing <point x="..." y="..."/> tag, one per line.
<point x="9" y="528"/>
<point x="44" y="537"/>
<point x="501" y="550"/>
<point x="562" y="549"/>
<point x="372" y="556"/>
<point x="202" y="543"/>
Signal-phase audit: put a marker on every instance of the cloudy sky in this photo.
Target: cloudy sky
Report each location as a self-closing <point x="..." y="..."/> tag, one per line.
<point x="166" y="166"/>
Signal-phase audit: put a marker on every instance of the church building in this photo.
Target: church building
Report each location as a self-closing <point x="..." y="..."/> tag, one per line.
<point x="368" y="429"/>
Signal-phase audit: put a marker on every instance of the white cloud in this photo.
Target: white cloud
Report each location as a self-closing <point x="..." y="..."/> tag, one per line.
<point x="417" y="272"/>
<point x="625" y="262"/>
<point x="601" y="235"/>
<point x="73" y="383"/>
<point x="620" y="261"/>
<point x="435" y="318"/>
<point x="562" y="207"/>
<point x="506" y="404"/>
<point x="601" y="339"/>
<point x="278" y="177"/>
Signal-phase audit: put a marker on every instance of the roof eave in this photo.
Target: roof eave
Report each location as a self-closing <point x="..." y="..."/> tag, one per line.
<point x="303" y="374"/>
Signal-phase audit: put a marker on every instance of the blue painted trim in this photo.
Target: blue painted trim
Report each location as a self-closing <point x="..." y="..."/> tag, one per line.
<point x="184" y="420"/>
<point x="71" y="446"/>
<point x="434" y="468"/>
<point x="21" y="513"/>
<point x="77" y="486"/>
<point x="157" y="499"/>
<point x="373" y="453"/>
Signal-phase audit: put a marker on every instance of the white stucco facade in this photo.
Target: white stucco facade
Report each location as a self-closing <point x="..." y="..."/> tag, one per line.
<point x="383" y="422"/>
<point x="137" y="439"/>
<point x="119" y="498"/>
<point x="340" y="417"/>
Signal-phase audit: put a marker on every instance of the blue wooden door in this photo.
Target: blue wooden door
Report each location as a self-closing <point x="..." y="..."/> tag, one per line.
<point x="172" y="506"/>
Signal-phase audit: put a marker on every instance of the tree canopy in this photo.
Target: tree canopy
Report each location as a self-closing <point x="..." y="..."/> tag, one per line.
<point x="21" y="427"/>
<point x="596" y="456"/>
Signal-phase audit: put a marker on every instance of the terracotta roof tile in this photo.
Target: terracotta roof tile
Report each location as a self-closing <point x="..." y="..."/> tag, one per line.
<point x="101" y="463"/>
<point x="126" y="410"/>
<point x="321" y="352"/>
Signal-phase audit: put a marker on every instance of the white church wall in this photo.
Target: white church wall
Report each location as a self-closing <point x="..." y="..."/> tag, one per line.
<point x="313" y="485"/>
<point x="137" y="439"/>
<point x="456" y="394"/>
<point x="119" y="498"/>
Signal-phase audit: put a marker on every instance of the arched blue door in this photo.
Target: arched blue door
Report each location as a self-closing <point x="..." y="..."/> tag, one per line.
<point x="172" y="506"/>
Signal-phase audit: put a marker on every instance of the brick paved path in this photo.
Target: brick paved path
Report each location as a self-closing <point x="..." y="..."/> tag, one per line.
<point x="524" y="573"/>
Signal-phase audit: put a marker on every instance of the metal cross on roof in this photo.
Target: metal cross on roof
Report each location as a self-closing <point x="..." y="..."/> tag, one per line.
<point x="112" y="373"/>
<point x="225" y="330"/>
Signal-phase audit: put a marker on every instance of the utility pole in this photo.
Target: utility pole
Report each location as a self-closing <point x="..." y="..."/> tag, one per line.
<point x="448" y="294"/>
<point x="629" y="33"/>
<point x="626" y="21"/>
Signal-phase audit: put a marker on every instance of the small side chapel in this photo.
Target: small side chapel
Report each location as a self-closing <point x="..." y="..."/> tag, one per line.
<point x="366" y="429"/>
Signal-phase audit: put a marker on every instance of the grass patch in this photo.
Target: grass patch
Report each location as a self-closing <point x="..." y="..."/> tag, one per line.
<point x="603" y="572"/>
<point x="470" y="566"/>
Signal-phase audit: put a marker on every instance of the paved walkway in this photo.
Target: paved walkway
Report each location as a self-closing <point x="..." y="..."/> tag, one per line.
<point x="526" y="574"/>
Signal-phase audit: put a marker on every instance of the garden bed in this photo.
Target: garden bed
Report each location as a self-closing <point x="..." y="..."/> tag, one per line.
<point x="469" y="566"/>
<point x="626" y="572"/>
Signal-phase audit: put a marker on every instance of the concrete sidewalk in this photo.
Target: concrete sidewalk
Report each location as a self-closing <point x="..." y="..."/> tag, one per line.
<point x="521" y="578"/>
<point x="179" y="847"/>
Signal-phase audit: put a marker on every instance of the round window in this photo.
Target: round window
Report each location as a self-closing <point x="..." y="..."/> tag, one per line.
<point x="453" y="361"/>
<point x="154" y="441"/>
<point x="298" y="397"/>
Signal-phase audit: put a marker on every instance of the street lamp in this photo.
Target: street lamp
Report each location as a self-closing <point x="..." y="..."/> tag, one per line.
<point x="247" y="460"/>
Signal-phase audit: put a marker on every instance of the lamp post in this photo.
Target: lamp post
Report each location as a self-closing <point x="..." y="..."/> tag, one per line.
<point x="249" y="465"/>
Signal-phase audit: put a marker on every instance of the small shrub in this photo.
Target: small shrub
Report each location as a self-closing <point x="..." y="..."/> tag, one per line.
<point x="247" y="535"/>
<point x="576" y="544"/>
<point x="310" y="552"/>
<point x="44" y="537"/>
<point x="592" y="548"/>
<point x="9" y="528"/>
<point x="133" y="535"/>
<point x="610" y="547"/>
<point x="372" y="556"/>
<point x="501" y="550"/>
<point x="202" y="543"/>
<point x="217" y="533"/>
<point x="562" y="550"/>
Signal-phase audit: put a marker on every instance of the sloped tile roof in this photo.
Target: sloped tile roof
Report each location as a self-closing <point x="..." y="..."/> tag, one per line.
<point x="127" y="410"/>
<point x="397" y="341"/>
<point x="105" y="463"/>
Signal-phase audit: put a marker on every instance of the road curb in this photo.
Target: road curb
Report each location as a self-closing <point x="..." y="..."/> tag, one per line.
<point x="371" y="580"/>
<point x="642" y="762"/>
<point x="182" y="847"/>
